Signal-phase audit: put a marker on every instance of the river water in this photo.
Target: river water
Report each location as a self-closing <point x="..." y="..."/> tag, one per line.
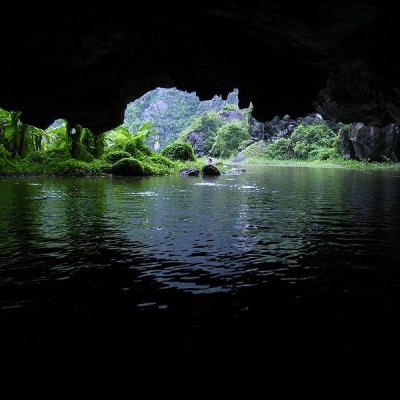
<point x="279" y="280"/>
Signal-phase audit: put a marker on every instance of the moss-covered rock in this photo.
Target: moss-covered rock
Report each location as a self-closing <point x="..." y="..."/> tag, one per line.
<point x="115" y="156"/>
<point x="137" y="148"/>
<point x="127" y="167"/>
<point x="179" y="151"/>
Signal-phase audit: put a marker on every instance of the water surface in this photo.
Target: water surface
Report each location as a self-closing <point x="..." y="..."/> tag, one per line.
<point x="307" y="258"/>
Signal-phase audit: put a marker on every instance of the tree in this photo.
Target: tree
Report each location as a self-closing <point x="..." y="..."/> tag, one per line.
<point x="317" y="142"/>
<point x="16" y="137"/>
<point x="179" y="151"/>
<point x="228" y="139"/>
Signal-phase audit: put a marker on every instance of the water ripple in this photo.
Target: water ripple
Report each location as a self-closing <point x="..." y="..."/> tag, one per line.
<point x="285" y="225"/>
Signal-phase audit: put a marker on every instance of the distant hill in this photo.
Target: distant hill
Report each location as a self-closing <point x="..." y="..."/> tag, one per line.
<point x="171" y="111"/>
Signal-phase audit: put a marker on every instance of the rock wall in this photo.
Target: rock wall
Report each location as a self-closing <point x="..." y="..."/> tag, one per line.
<point x="371" y="143"/>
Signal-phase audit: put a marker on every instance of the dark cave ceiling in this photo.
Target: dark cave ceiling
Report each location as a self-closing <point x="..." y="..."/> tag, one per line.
<point x="86" y="62"/>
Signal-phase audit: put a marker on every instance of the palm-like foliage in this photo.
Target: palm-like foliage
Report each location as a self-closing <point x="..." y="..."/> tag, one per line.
<point x="16" y="137"/>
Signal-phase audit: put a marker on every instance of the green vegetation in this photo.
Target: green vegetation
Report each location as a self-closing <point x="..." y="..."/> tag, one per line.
<point x="179" y="151"/>
<point x="207" y="124"/>
<point x="172" y="111"/>
<point x="127" y="166"/>
<point x="66" y="149"/>
<point x="187" y="128"/>
<point x="312" y="143"/>
<point x="338" y="163"/>
<point x="222" y="133"/>
<point x="114" y="156"/>
<point x="228" y="139"/>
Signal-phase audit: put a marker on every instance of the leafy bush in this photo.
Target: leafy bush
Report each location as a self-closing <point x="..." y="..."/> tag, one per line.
<point x="94" y="143"/>
<point x="4" y="155"/>
<point x="207" y="125"/>
<point x="137" y="148"/>
<point x="323" y="153"/>
<point x="278" y="150"/>
<point x="161" y="160"/>
<point x="72" y="167"/>
<point x="256" y="149"/>
<point x="157" y="164"/>
<point x="127" y="167"/>
<point x="314" y="142"/>
<point x="37" y="157"/>
<point x="115" y="156"/>
<point x="57" y="154"/>
<point x="228" y="139"/>
<point x="154" y="169"/>
<point x="83" y="154"/>
<point x="179" y="151"/>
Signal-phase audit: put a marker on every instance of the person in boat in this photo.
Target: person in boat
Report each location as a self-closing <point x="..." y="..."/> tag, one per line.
<point x="210" y="160"/>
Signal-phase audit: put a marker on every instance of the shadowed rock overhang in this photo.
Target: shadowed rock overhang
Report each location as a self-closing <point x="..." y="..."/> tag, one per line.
<point x="86" y="62"/>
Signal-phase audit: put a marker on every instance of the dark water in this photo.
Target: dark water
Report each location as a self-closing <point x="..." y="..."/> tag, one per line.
<point x="277" y="283"/>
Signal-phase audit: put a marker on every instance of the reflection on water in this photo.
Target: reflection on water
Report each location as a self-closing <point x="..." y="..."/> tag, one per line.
<point x="201" y="235"/>
<point x="278" y="283"/>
